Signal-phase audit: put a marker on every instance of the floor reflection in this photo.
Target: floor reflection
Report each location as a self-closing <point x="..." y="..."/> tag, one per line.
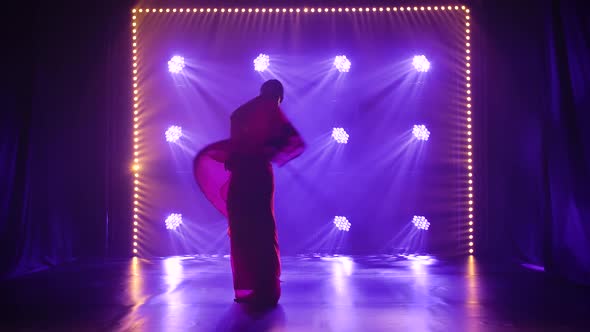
<point x="243" y="318"/>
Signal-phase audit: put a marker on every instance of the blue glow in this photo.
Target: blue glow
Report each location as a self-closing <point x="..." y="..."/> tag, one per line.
<point x="421" y="63"/>
<point x="421" y="222"/>
<point x="176" y="64"/>
<point x="421" y="132"/>
<point x="342" y="223"/>
<point x="262" y="62"/>
<point x="173" y="221"/>
<point x="340" y="135"/>
<point x="342" y="63"/>
<point x="173" y="134"/>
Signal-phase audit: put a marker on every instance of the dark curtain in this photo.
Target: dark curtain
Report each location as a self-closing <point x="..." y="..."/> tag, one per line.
<point x="567" y="147"/>
<point x="65" y="139"/>
<point x="533" y="98"/>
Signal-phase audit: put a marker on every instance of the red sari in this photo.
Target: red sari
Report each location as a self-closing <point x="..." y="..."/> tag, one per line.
<point x="236" y="177"/>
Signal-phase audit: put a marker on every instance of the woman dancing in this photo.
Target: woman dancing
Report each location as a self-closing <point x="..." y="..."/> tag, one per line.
<point x="237" y="177"/>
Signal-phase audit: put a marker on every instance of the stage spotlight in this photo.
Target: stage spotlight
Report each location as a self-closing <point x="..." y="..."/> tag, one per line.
<point x="340" y="135"/>
<point x="420" y="132"/>
<point x="342" y="63"/>
<point x="261" y="63"/>
<point x="342" y="223"/>
<point x="173" y="221"/>
<point x="421" y="63"/>
<point x="421" y="222"/>
<point x="173" y="134"/>
<point x="176" y="64"/>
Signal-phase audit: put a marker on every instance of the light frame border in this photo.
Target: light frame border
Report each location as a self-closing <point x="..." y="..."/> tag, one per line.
<point x="137" y="109"/>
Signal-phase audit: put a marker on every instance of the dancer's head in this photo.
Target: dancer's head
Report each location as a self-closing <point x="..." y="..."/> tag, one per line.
<point x="272" y="89"/>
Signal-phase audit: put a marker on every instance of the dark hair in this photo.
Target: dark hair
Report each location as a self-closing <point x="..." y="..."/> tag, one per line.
<point x="272" y="89"/>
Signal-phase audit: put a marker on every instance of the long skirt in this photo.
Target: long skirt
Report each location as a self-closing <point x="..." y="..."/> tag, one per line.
<point x="253" y="237"/>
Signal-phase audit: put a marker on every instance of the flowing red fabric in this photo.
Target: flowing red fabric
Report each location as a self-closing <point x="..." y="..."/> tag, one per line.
<point x="236" y="177"/>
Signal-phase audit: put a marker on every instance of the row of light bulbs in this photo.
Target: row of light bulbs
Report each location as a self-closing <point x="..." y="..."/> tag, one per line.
<point x="470" y="230"/>
<point x="297" y="10"/>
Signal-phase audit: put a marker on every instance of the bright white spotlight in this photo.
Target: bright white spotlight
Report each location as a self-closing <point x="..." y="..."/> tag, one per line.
<point x="173" y="221"/>
<point x="421" y="222"/>
<point x="421" y="132"/>
<point x="342" y="63"/>
<point x="340" y="135"/>
<point x="261" y="62"/>
<point x="173" y="134"/>
<point x="421" y="63"/>
<point x="176" y="64"/>
<point x="342" y="223"/>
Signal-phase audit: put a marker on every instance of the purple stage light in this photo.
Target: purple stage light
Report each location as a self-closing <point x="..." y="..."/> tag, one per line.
<point x="176" y="64"/>
<point x="173" y="134"/>
<point x="342" y="63"/>
<point x="421" y="222"/>
<point x="420" y="132"/>
<point x="340" y="135"/>
<point x="342" y="223"/>
<point x="261" y="63"/>
<point x="173" y="221"/>
<point x="421" y="63"/>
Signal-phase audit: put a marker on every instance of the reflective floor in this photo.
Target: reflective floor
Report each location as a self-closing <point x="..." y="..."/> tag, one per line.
<point x="320" y="293"/>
